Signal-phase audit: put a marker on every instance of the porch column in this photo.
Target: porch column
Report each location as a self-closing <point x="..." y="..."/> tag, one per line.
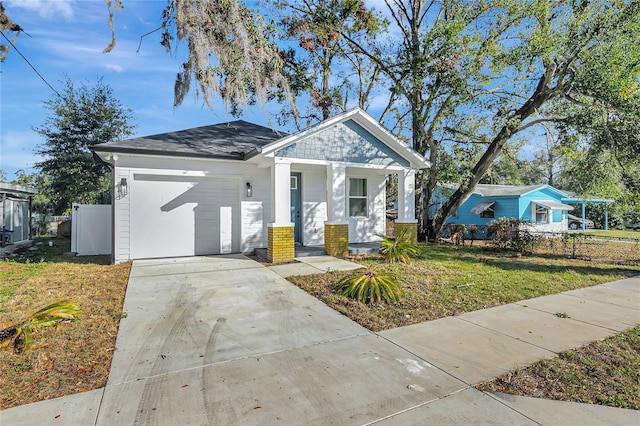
<point x="606" y="217"/>
<point x="280" y="239"/>
<point x="407" y="204"/>
<point x="336" y="228"/>
<point x="583" y="218"/>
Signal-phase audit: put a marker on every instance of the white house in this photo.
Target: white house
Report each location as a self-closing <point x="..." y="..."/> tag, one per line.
<point x="237" y="186"/>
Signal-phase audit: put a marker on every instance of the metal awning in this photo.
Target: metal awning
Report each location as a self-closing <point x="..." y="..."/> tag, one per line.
<point x="553" y="205"/>
<point x="482" y="206"/>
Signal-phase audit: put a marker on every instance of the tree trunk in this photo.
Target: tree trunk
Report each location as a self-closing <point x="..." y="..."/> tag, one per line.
<point x="542" y="94"/>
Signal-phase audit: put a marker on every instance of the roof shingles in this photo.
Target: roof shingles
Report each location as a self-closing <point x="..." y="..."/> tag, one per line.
<point x="233" y="140"/>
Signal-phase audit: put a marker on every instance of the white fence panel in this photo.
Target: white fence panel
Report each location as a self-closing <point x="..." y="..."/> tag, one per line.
<point x="91" y="229"/>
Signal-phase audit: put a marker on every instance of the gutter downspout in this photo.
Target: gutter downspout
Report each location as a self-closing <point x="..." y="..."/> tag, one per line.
<point x="30" y="218"/>
<point x="4" y="206"/>
<point x="113" y="214"/>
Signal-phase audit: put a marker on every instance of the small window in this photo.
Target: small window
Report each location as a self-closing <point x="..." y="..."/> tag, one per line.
<point x="294" y="182"/>
<point x="489" y="213"/>
<point x="357" y="197"/>
<point x="542" y="214"/>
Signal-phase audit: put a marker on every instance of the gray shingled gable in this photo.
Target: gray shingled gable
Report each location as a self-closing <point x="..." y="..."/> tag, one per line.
<point x="233" y="140"/>
<point x="347" y="141"/>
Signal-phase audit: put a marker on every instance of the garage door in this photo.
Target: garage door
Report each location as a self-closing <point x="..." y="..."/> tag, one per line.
<point x="183" y="216"/>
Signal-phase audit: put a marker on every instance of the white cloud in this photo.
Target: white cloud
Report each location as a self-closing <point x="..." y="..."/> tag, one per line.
<point x="47" y="9"/>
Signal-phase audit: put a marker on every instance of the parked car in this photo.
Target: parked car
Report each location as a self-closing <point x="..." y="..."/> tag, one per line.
<point x="632" y="225"/>
<point x="576" y="223"/>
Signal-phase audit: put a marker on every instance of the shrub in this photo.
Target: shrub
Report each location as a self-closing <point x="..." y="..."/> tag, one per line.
<point x="370" y="286"/>
<point x="510" y="234"/>
<point x="398" y="249"/>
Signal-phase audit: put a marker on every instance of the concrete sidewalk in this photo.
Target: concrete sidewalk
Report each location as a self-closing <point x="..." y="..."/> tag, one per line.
<point x="226" y="340"/>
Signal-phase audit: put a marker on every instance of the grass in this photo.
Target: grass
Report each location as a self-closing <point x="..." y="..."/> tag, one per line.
<point x="629" y="234"/>
<point x="74" y="357"/>
<point x="449" y="280"/>
<point x="604" y="372"/>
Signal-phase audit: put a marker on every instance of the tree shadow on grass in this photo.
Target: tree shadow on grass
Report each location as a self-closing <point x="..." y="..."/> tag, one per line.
<point x="514" y="264"/>
<point x="511" y="261"/>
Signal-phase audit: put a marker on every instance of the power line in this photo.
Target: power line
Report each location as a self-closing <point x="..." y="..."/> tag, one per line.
<point x="29" y="63"/>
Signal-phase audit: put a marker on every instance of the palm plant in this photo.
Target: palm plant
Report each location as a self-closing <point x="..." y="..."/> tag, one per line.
<point x="398" y="249"/>
<point x="20" y="335"/>
<point x="370" y="286"/>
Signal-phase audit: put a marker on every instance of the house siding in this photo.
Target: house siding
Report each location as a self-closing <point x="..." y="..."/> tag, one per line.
<point x="344" y="142"/>
<point x="122" y="217"/>
<point x="249" y="222"/>
<point x="314" y="205"/>
<point x="504" y="207"/>
<point x="520" y="207"/>
<point x="365" y="229"/>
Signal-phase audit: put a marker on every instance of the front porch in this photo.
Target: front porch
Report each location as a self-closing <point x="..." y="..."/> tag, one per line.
<point x="307" y="251"/>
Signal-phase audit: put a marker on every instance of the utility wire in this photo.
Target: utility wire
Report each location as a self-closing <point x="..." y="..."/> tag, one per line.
<point x="27" y="61"/>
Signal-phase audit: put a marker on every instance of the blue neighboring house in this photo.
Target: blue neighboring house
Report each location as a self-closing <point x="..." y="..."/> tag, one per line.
<point x="541" y="205"/>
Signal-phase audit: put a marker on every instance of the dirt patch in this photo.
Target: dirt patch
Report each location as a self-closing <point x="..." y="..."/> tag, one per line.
<point x="606" y="372"/>
<point x="74" y="356"/>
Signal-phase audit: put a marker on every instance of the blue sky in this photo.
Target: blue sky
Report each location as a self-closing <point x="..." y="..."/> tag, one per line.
<point x="67" y="38"/>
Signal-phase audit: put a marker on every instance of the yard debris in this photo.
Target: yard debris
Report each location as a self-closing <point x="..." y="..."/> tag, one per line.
<point x="464" y="285"/>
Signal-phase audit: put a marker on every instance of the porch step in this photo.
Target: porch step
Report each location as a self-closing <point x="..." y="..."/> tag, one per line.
<point x="305" y="251"/>
<point x="364" y="248"/>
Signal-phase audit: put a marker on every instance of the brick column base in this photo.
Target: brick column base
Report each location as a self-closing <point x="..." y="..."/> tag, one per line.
<point x="412" y="230"/>
<point x="336" y="239"/>
<point x="280" y="244"/>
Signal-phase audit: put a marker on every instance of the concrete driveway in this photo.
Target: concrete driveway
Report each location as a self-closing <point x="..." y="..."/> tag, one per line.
<point x="225" y="340"/>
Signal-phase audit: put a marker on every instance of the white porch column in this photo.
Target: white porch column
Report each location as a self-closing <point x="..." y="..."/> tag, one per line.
<point x="336" y="228"/>
<point x="406" y="220"/>
<point x="336" y="193"/>
<point x="281" y="193"/>
<point x="407" y="196"/>
<point x="280" y="233"/>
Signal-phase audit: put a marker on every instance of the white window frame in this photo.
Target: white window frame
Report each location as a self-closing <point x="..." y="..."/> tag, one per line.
<point x="538" y="208"/>
<point x="364" y="197"/>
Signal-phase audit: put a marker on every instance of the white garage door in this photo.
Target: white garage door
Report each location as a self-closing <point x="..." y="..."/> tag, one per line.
<point x="183" y="216"/>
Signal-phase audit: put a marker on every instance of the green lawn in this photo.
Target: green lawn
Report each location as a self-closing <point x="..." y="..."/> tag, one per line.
<point x="616" y="233"/>
<point x="449" y="280"/>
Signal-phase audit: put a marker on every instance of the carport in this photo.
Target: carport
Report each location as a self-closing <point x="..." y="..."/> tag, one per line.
<point x="584" y="201"/>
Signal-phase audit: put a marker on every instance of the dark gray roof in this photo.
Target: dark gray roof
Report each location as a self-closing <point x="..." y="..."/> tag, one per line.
<point x="234" y="140"/>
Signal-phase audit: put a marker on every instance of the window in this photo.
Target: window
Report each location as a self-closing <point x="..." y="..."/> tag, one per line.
<point x="357" y="197"/>
<point x="294" y="182"/>
<point x="485" y="209"/>
<point x="489" y="213"/>
<point x="542" y="214"/>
